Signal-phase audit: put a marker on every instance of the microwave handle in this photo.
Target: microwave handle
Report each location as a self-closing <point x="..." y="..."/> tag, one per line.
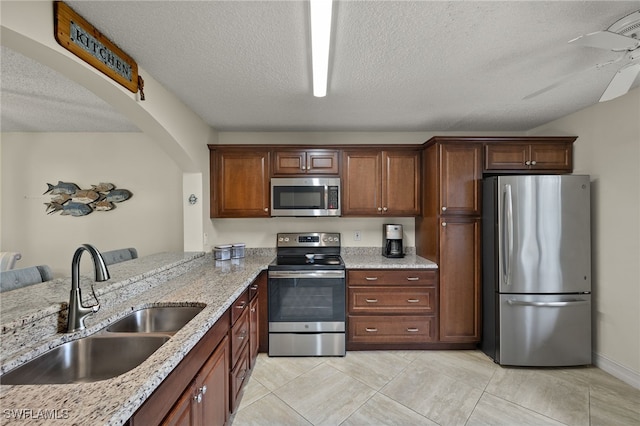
<point x="326" y="196"/>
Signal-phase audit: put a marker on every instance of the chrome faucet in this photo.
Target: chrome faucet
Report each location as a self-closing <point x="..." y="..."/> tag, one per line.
<point x="77" y="311"/>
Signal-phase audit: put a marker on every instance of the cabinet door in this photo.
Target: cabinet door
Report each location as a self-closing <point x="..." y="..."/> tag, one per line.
<point x="290" y="162"/>
<point x="460" y="179"/>
<point x="401" y="183"/>
<point x="362" y="183"/>
<point x="459" y="279"/>
<point x="254" y="330"/>
<point x="552" y="157"/>
<point x="241" y="184"/>
<point x="213" y="384"/>
<point x="323" y="162"/>
<point x="183" y="413"/>
<point x="502" y="156"/>
<point x="263" y="319"/>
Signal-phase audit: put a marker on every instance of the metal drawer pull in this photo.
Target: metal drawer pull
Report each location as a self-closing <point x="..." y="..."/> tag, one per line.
<point x="413" y="278"/>
<point x="241" y="305"/>
<point x="371" y="300"/>
<point x="242" y="334"/>
<point x="371" y="278"/>
<point x="413" y="300"/>
<point x="412" y="330"/>
<point x="371" y="330"/>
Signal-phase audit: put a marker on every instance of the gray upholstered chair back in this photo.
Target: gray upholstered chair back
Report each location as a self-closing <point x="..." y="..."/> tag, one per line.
<point x="18" y="278"/>
<point x="120" y="255"/>
<point x="8" y="259"/>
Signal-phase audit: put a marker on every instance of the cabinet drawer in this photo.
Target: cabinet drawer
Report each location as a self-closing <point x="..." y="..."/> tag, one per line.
<point x="390" y="300"/>
<point x="239" y="336"/>
<point x="390" y="329"/>
<point x="239" y="306"/>
<point x="390" y="277"/>
<point x="239" y="374"/>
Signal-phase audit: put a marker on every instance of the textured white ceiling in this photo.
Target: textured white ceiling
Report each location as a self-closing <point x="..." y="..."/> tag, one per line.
<point x="395" y="65"/>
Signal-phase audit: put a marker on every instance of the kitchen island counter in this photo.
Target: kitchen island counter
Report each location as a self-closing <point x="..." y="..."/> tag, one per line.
<point x="209" y="283"/>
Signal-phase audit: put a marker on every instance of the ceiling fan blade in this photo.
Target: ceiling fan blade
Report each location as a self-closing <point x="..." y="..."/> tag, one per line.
<point x="621" y="82"/>
<point x="568" y="77"/>
<point x="607" y="40"/>
<point x="559" y="82"/>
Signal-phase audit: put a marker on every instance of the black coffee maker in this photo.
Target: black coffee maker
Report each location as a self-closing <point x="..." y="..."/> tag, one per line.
<point x="392" y="241"/>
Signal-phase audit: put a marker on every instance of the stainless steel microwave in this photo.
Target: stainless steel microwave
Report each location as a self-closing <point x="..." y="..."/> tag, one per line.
<point x="305" y="196"/>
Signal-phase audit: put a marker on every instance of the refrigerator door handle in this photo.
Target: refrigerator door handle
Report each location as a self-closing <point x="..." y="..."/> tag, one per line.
<point x="507" y="233"/>
<point x="547" y="304"/>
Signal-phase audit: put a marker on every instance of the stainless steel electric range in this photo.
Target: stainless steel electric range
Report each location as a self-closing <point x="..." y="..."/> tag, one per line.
<point x="307" y="296"/>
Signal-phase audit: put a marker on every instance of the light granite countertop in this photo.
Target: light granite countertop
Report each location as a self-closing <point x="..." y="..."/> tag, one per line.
<point x="203" y="282"/>
<point x="371" y="258"/>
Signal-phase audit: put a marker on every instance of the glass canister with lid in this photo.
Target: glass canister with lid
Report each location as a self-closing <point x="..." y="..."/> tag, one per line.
<point x="222" y="252"/>
<point x="237" y="250"/>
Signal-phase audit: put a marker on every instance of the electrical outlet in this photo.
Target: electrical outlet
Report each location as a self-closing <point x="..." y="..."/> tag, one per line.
<point x="357" y="236"/>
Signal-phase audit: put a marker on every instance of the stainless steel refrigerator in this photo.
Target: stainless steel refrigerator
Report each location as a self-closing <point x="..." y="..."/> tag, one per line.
<point x="537" y="270"/>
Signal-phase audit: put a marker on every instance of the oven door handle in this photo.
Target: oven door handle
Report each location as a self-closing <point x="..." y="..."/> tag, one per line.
<point x="307" y="274"/>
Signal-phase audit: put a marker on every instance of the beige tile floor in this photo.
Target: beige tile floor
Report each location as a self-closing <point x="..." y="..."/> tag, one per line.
<point x="430" y="388"/>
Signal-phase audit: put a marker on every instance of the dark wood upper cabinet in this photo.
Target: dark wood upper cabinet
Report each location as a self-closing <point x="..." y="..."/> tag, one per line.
<point x="530" y="155"/>
<point x="381" y="182"/>
<point x="306" y="162"/>
<point x="240" y="183"/>
<point x="460" y="177"/>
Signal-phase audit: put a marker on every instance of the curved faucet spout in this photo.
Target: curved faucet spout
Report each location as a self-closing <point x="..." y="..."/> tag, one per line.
<point x="77" y="311"/>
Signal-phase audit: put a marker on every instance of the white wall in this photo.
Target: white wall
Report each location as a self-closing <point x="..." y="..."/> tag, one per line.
<point x="151" y="221"/>
<point x="608" y="148"/>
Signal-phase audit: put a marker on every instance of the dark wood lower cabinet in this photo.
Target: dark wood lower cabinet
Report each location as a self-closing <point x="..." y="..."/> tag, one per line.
<point x="460" y="280"/>
<point x="391" y="309"/>
<point x="205" y="388"/>
<point x="181" y="384"/>
<point x="206" y="400"/>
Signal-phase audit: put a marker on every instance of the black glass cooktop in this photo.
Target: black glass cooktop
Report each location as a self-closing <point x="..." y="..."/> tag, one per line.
<point x="318" y="260"/>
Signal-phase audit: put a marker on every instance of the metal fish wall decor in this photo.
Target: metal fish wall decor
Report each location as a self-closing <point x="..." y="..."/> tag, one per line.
<point x="68" y="199"/>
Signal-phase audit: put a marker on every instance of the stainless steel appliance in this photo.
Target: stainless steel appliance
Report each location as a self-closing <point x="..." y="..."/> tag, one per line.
<point x="305" y="196"/>
<point x="537" y="270"/>
<point x="392" y="240"/>
<point x="307" y="296"/>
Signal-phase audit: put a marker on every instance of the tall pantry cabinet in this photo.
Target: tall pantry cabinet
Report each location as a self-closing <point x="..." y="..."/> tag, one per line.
<point x="449" y="233"/>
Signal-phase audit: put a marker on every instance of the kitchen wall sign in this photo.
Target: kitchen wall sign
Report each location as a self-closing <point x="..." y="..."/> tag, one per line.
<point x="68" y="199"/>
<point x="82" y="39"/>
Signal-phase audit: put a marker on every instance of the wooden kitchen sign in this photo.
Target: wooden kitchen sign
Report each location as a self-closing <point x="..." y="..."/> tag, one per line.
<point x="83" y="40"/>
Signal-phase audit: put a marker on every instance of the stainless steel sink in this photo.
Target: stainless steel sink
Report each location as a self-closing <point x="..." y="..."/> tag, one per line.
<point x="89" y="359"/>
<point x="165" y="319"/>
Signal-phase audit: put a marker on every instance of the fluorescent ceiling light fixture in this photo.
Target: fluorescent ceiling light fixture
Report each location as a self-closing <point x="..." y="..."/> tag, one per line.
<point x="320" y="41"/>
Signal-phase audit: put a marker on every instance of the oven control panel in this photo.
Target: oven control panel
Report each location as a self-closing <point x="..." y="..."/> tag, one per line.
<point x="309" y="239"/>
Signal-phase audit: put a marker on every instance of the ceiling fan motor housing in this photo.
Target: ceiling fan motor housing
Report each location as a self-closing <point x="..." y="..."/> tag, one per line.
<point x="629" y="26"/>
